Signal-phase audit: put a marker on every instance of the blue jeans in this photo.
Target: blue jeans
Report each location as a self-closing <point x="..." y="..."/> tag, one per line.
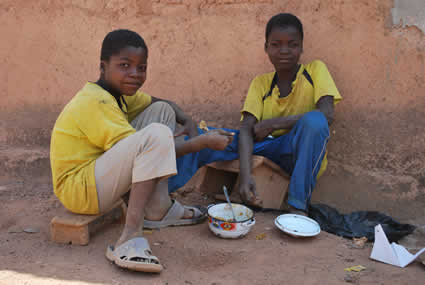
<point x="299" y="153"/>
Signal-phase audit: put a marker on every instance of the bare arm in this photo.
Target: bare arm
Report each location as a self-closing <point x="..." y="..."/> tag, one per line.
<point x="246" y="144"/>
<point x="189" y="125"/>
<point x="216" y="139"/>
<point x="264" y="128"/>
<point x="326" y="106"/>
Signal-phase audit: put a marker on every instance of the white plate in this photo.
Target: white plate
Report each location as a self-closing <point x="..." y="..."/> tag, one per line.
<point x="297" y="225"/>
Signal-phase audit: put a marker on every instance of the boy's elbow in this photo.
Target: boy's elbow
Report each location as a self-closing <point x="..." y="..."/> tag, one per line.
<point x="328" y="116"/>
<point x="328" y="113"/>
<point x="330" y="119"/>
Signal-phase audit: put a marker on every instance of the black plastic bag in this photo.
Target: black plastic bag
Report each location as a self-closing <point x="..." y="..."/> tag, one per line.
<point x="358" y="224"/>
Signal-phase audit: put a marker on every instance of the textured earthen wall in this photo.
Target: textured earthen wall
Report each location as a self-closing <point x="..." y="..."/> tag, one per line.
<point x="203" y="55"/>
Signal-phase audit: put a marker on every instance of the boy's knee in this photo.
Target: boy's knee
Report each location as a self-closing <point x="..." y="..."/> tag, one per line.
<point x="160" y="130"/>
<point x="160" y="134"/>
<point x="314" y="121"/>
<point x="163" y="107"/>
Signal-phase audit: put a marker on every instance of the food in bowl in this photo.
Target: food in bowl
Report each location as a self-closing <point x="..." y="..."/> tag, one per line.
<point x="222" y="223"/>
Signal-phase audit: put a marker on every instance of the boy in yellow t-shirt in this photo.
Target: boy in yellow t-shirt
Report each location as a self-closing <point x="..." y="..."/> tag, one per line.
<point x="111" y="138"/>
<point x="285" y="117"/>
<point x="287" y="113"/>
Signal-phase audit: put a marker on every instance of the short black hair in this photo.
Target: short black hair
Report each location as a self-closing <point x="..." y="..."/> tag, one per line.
<point x="284" y="20"/>
<point x="116" y="40"/>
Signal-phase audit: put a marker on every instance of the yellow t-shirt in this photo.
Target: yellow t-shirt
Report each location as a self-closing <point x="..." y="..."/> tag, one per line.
<point x="302" y="99"/>
<point x="90" y="124"/>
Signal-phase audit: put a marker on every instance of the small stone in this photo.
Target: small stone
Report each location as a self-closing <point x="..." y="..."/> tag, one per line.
<point x="31" y="230"/>
<point x="348" y="279"/>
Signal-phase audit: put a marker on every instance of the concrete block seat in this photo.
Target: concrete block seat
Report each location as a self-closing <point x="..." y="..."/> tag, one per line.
<point x="72" y="228"/>
<point x="271" y="181"/>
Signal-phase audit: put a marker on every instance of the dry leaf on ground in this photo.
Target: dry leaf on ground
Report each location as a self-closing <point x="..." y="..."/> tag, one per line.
<point x="359" y="242"/>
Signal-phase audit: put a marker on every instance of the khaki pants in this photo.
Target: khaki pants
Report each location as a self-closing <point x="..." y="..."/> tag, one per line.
<point x="149" y="153"/>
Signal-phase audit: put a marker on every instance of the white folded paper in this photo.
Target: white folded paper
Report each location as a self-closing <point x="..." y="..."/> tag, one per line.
<point x="393" y="253"/>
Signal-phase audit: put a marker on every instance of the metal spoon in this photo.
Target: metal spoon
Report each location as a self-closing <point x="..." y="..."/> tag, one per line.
<point x="228" y="201"/>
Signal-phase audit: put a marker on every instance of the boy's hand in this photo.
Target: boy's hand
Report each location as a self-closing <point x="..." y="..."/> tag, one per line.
<point x="217" y="139"/>
<point x="261" y="131"/>
<point x="247" y="190"/>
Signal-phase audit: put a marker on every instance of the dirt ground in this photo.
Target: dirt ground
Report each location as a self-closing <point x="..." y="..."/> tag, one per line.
<point x="190" y="255"/>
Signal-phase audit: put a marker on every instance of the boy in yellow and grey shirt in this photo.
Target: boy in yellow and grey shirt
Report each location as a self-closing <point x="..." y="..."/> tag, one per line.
<point x="90" y="124"/>
<point x="111" y="139"/>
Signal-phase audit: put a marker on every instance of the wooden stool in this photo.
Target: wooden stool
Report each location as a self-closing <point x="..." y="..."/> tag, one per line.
<point x="271" y="181"/>
<point x="72" y="228"/>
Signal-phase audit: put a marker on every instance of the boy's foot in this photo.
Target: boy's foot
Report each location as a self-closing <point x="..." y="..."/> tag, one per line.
<point x="134" y="254"/>
<point x="296" y="211"/>
<point x="178" y="215"/>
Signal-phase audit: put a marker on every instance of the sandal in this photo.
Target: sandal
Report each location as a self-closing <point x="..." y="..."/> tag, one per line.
<point x="175" y="214"/>
<point x="135" y="254"/>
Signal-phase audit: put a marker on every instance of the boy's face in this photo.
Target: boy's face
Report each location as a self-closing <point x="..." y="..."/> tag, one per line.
<point x="284" y="47"/>
<point x="126" y="71"/>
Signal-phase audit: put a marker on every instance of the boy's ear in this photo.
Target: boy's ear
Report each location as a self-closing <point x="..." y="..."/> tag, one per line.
<point x="102" y="67"/>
